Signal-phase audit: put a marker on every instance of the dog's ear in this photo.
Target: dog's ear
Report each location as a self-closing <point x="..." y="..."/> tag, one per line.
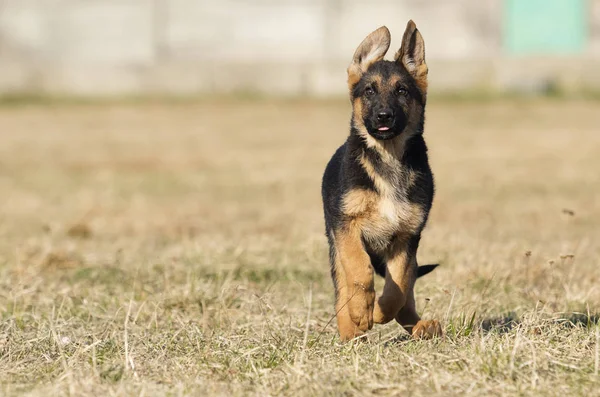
<point x="371" y="50"/>
<point x="412" y="55"/>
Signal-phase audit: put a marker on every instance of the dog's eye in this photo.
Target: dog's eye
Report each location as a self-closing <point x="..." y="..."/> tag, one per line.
<point x="402" y="91"/>
<point x="369" y="91"/>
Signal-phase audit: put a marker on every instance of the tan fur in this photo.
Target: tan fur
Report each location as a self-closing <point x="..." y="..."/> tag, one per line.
<point x="382" y="186"/>
<point x="393" y="81"/>
<point x="371" y="50"/>
<point x="382" y="217"/>
<point x="347" y="328"/>
<point x="354" y="76"/>
<point x="410" y="320"/>
<point x="427" y="329"/>
<point x="421" y="79"/>
<point x="359" y="289"/>
<point x="382" y="214"/>
<point x="408" y="317"/>
<point x="413" y="59"/>
<point x="378" y="217"/>
<point x="399" y="281"/>
<point x="359" y="202"/>
<point x="377" y="80"/>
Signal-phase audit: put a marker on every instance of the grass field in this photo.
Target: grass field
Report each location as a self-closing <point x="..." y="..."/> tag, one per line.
<point x="178" y="249"/>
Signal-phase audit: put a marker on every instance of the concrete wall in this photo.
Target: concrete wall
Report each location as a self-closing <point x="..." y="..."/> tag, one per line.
<point x="115" y="47"/>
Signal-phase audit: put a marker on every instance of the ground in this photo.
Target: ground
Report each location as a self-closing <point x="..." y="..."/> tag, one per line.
<point x="178" y="249"/>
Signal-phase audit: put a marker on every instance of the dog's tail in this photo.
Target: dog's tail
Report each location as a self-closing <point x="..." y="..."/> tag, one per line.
<point x="425" y="269"/>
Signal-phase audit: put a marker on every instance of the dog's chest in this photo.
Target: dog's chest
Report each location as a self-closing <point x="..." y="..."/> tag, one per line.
<point x="384" y="212"/>
<point x="391" y="215"/>
<point x="389" y="210"/>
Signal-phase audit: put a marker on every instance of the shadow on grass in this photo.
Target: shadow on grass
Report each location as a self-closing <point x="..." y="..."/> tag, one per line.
<point x="466" y="325"/>
<point x="501" y="324"/>
<point x="504" y="324"/>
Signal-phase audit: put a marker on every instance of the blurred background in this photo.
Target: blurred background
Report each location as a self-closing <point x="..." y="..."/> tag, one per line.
<point x="289" y="47"/>
<point x="160" y="176"/>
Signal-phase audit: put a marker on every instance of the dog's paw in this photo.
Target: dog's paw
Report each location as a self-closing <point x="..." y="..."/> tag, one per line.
<point x="427" y="329"/>
<point x="360" y="308"/>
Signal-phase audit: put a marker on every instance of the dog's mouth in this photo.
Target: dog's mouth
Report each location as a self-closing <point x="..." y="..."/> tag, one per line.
<point x="384" y="133"/>
<point x="385" y="126"/>
<point x="387" y="129"/>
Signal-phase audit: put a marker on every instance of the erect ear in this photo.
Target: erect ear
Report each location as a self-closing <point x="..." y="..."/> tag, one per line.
<point x="412" y="55"/>
<point x="371" y="50"/>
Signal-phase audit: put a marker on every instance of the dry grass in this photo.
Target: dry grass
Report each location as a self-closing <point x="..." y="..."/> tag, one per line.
<point x="178" y="250"/>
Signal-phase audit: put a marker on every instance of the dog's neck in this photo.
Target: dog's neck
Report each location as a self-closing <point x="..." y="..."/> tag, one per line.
<point x="387" y="163"/>
<point x="384" y="161"/>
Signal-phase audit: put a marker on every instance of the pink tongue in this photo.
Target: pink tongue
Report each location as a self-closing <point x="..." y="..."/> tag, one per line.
<point x="383" y="128"/>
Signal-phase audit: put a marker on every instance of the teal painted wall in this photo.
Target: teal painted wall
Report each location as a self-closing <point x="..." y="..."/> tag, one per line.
<point x="540" y="27"/>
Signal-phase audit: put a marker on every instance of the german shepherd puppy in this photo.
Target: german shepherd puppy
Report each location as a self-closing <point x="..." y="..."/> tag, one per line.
<point x="378" y="189"/>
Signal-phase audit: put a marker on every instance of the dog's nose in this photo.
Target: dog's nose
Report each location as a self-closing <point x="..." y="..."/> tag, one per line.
<point x="385" y="116"/>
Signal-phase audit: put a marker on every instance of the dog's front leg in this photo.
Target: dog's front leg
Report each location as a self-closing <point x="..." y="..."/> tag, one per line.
<point x="400" y="277"/>
<point x="410" y="320"/>
<point x="354" y="274"/>
<point x="398" y="300"/>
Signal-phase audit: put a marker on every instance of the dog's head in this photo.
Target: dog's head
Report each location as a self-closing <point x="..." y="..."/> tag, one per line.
<point x="388" y="97"/>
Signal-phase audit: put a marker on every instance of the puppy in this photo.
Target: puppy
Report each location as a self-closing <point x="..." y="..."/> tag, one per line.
<point x="378" y="189"/>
